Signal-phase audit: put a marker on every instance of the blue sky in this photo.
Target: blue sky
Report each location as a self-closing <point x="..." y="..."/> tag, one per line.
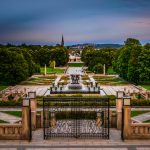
<point x="80" y="21"/>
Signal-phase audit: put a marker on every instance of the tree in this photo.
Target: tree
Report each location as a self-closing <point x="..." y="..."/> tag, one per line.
<point x="133" y="65"/>
<point x="98" y="68"/>
<point x="13" y="68"/>
<point x="132" y="42"/>
<point x="144" y="64"/>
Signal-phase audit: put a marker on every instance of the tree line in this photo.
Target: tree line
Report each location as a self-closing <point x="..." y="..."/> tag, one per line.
<point x="95" y="59"/>
<point x="19" y="62"/>
<point x="131" y="61"/>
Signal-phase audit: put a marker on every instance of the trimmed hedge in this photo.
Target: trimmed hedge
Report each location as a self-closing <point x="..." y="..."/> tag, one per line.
<point x="112" y="102"/>
<point x="11" y="103"/>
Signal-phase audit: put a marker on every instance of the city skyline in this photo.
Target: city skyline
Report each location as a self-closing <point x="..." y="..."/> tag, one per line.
<point x="86" y="21"/>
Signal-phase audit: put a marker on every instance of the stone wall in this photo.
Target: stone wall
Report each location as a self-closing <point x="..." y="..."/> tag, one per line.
<point x="140" y="131"/>
<point x="134" y="130"/>
<point x="10" y="131"/>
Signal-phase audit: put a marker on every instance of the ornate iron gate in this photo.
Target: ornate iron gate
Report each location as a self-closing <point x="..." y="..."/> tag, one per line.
<point x="77" y="117"/>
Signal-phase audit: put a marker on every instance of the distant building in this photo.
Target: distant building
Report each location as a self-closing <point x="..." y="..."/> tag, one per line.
<point x="62" y="41"/>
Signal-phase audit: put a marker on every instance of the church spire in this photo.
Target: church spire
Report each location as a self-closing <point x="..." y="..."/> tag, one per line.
<point x="62" y="41"/>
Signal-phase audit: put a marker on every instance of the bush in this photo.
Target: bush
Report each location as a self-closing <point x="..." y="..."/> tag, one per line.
<point x="140" y="102"/>
<point x="98" y="68"/>
<point x="11" y="103"/>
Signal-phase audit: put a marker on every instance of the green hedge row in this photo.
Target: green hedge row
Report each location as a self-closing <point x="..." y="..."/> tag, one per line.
<point x="112" y="102"/>
<point x="11" y="103"/>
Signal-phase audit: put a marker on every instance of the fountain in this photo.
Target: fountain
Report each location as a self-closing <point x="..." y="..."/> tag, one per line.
<point x="75" y="85"/>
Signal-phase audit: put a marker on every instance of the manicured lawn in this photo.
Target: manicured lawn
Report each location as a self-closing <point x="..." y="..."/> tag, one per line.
<point x="146" y="87"/>
<point x="2" y="87"/>
<point x="109" y="80"/>
<point x="44" y="80"/>
<point x="51" y="70"/>
<point x="14" y="113"/>
<point x="2" y="121"/>
<point x="75" y="64"/>
<point x="138" y="112"/>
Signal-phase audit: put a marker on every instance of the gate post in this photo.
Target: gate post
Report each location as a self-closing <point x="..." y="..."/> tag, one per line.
<point x="26" y="119"/>
<point x="120" y="95"/>
<point x="33" y="104"/>
<point x="126" y="118"/>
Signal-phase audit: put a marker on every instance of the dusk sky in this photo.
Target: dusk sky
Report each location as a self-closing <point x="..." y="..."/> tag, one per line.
<point x="80" y="21"/>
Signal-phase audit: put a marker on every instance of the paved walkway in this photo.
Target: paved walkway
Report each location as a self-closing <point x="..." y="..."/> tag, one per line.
<point x="111" y="90"/>
<point x="40" y="89"/>
<point x="142" y="117"/>
<point x="9" y="118"/>
<point x="114" y="143"/>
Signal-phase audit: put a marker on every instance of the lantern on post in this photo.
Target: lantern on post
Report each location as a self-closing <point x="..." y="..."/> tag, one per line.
<point x="26" y="102"/>
<point x="120" y="94"/>
<point x="32" y="95"/>
<point x="126" y="101"/>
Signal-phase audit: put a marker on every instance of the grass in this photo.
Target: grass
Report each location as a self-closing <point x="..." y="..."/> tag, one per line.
<point x="14" y="113"/>
<point x="46" y="80"/>
<point x="75" y="64"/>
<point x="51" y="70"/>
<point x="2" y="121"/>
<point x="2" y="87"/>
<point x="138" y="112"/>
<point x="146" y="87"/>
<point x="109" y="80"/>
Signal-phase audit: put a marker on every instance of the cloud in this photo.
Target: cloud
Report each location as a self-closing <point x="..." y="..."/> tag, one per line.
<point x="79" y="20"/>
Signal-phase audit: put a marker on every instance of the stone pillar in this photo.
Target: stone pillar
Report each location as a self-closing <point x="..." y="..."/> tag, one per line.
<point x="119" y="112"/>
<point x="45" y="70"/>
<point x="45" y="118"/>
<point x="126" y="122"/>
<point x="33" y="113"/>
<point x="42" y="119"/>
<point x="26" y="123"/>
<point x="104" y="69"/>
<point x="33" y="105"/>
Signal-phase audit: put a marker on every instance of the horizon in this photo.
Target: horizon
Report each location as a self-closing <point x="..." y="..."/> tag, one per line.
<point x="87" y="21"/>
<point x="19" y="44"/>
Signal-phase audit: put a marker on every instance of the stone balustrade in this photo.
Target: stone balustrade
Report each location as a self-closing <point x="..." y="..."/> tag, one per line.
<point x="140" y="131"/>
<point x="10" y="131"/>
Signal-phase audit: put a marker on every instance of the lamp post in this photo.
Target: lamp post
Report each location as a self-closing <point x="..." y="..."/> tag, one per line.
<point x="32" y="95"/>
<point x="126" y="101"/>
<point x="120" y="94"/>
<point x="26" y="102"/>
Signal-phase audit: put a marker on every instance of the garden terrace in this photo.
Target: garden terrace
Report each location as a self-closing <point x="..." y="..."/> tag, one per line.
<point x="110" y="80"/>
<point x="52" y="70"/>
<point x="39" y="80"/>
